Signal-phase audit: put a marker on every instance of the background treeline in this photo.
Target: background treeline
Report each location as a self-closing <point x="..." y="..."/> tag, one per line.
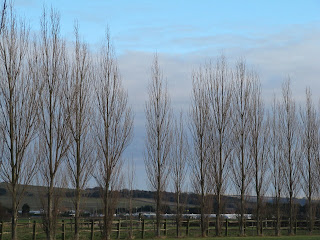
<point x="237" y="145"/>
<point x="65" y="117"/>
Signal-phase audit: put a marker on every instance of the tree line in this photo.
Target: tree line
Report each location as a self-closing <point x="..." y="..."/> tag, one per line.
<point x="65" y="117"/>
<point x="236" y="143"/>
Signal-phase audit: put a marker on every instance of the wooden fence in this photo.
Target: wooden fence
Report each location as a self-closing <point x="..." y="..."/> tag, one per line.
<point x="146" y="228"/>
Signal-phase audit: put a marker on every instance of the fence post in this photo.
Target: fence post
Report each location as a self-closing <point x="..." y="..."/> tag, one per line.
<point x="208" y="224"/>
<point x="295" y="227"/>
<point x="165" y="227"/>
<point x="245" y="225"/>
<point x="118" y="229"/>
<point x="34" y="231"/>
<point x="226" y="227"/>
<point x="63" y="234"/>
<point x="187" y="229"/>
<point x="142" y="229"/>
<point x="1" y="230"/>
<point x="91" y="236"/>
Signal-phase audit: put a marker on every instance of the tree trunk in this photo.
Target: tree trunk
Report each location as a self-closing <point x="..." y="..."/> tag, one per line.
<point x="218" y="230"/>
<point x="50" y="223"/>
<point x="310" y="214"/>
<point x="158" y="233"/>
<point x="278" y="223"/>
<point x="259" y="232"/>
<point x="290" y="214"/>
<point x="178" y="215"/>
<point x="203" y="229"/>
<point x="77" y="215"/>
<point x="130" y="214"/>
<point x="242" y="215"/>
<point x="310" y="194"/>
<point x="107" y="215"/>
<point x="13" y="170"/>
<point x="78" y="190"/>
<point x="242" y="189"/>
<point x="14" y="214"/>
<point x="159" y="186"/>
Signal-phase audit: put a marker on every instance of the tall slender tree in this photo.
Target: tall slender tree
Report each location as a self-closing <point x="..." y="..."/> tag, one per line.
<point x="220" y="88"/>
<point x="259" y="149"/>
<point x="276" y="162"/>
<point x="112" y="128"/>
<point x="180" y="153"/>
<point x="290" y="147"/>
<point x="200" y="128"/>
<point x="80" y="161"/>
<point x="53" y="72"/>
<point x="159" y="136"/>
<point x="310" y="149"/>
<point x="242" y="165"/>
<point x="18" y="108"/>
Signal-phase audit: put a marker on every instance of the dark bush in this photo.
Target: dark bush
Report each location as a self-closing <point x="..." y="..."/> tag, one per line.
<point x="25" y="209"/>
<point x="3" y="191"/>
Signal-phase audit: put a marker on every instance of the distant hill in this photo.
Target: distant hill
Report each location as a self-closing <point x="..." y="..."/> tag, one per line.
<point x="91" y="201"/>
<point x="90" y="198"/>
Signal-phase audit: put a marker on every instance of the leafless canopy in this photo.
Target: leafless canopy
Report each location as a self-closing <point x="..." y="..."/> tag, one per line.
<point x="53" y="73"/>
<point x="18" y="103"/>
<point x="112" y="128"/>
<point x="276" y="161"/>
<point x="259" y="148"/>
<point x="179" y="160"/>
<point x="159" y="135"/>
<point x="288" y="129"/>
<point x="219" y="84"/>
<point x="180" y="155"/>
<point x="242" y="165"/>
<point x="200" y="129"/>
<point x="310" y="153"/>
<point x="78" y="92"/>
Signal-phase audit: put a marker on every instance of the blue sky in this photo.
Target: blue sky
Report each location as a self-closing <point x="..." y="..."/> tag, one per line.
<point x="277" y="38"/>
<point x="174" y="26"/>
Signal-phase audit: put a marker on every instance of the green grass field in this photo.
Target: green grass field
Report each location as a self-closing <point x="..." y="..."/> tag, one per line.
<point x="259" y="238"/>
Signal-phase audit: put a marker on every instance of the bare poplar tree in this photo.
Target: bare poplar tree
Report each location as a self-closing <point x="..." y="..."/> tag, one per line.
<point x="259" y="136"/>
<point x="199" y="125"/>
<point x="276" y="162"/>
<point x="113" y="129"/>
<point x="80" y="158"/>
<point x="52" y="114"/>
<point x="310" y="149"/>
<point x="3" y="15"/>
<point x="159" y="136"/>
<point x="131" y="176"/>
<point x="290" y="147"/>
<point x="220" y="87"/>
<point x="242" y="165"/>
<point x="18" y="103"/>
<point x="179" y="158"/>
